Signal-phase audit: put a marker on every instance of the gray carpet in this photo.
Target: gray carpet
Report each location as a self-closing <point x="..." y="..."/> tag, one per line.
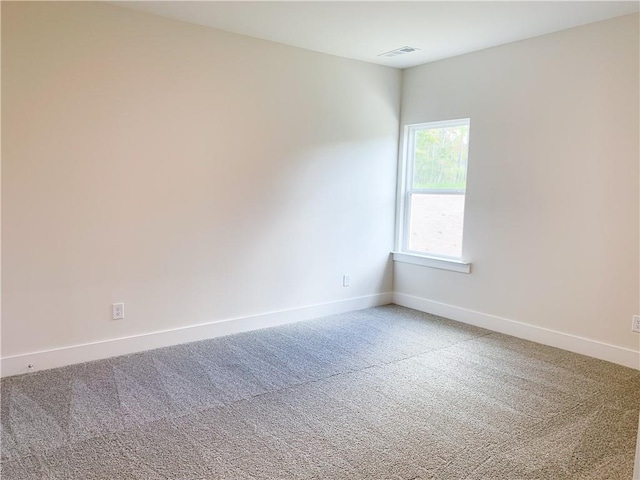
<point x="384" y="393"/>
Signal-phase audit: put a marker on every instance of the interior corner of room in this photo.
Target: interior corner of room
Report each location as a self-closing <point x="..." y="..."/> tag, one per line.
<point x="214" y="182"/>
<point x="168" y="179"/>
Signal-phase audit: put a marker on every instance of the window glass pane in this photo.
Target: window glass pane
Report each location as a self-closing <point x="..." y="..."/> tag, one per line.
<point x="435" y="225"/>
<point x="440" y="158"/>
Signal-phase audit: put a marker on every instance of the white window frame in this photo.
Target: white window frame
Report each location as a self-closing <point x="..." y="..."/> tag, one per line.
<point x="402" y="252"/>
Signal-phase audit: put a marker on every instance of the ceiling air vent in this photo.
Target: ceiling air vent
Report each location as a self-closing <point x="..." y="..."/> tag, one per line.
<point x="399" y="51"/>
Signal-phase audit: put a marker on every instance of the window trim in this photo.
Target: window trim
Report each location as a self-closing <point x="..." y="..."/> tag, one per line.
<point x="402" y="253"/>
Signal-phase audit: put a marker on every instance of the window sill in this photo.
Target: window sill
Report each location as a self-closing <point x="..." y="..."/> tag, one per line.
<point x="433" y="262"/>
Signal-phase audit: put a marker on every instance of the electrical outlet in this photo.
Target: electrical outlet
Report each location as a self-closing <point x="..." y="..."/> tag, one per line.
<point x="346" y="280"/>
<point x="118" y="311"/>
<point x="635" y="326"/>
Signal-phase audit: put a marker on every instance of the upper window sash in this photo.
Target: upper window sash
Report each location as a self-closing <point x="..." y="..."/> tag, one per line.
<point x="410" y="143"/>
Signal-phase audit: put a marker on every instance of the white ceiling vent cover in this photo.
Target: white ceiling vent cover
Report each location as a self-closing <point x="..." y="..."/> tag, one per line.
<point x="399" y="51"/>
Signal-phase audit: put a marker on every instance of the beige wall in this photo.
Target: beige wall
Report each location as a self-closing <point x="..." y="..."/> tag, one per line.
<point x="193" y="174"/>
<point x="551" y="221"/>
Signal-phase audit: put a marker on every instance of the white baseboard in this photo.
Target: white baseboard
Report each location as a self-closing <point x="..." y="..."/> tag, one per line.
<point x="592" y="348"/>
<point x="60" y="357"/>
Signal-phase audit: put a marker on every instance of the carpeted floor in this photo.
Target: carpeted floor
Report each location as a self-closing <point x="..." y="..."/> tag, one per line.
<point x="384" y="393"/>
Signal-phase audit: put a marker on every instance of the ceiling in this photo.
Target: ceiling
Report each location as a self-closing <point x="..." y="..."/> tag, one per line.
<point x="362" y="30"/>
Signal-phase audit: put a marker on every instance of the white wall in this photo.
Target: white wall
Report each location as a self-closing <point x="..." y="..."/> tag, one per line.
<point x="551" y="221"/>
<point x="198" y="176"/>
<point x="192" y="174"/>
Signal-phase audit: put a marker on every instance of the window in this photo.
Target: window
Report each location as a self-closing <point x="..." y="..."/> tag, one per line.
<point x="434" y="180"/>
